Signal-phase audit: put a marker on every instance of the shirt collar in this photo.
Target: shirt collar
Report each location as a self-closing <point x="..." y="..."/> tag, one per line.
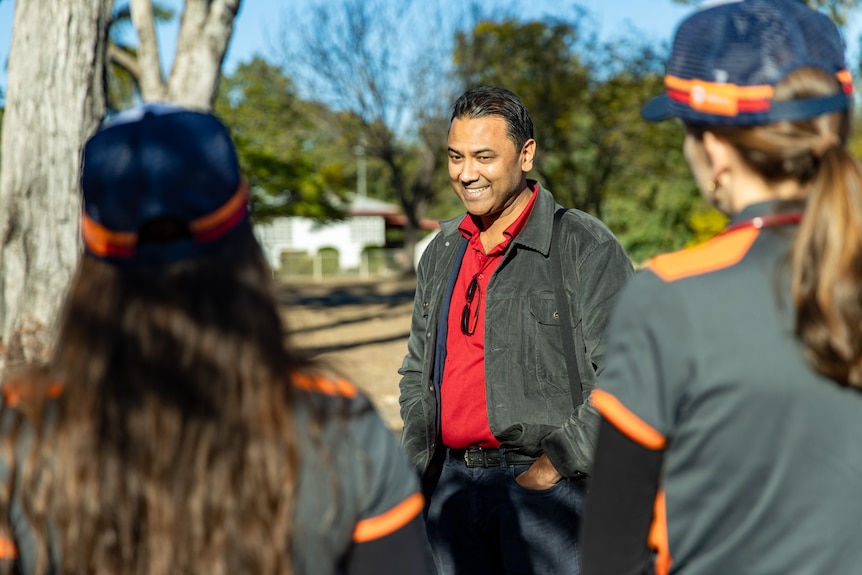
<point x="469" y="225"/>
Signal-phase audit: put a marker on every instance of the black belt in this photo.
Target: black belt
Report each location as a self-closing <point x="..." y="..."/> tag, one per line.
<point x="479" y="457"/>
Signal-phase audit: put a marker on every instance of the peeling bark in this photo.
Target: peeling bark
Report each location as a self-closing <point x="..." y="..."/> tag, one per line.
<point x="55" y="98"/>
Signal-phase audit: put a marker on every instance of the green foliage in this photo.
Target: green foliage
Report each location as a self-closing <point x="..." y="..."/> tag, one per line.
<point x="706" y="225"/>
<point x="594" y="152"/>
<point x="537" y="62"/>
<point x="294" y="164"/>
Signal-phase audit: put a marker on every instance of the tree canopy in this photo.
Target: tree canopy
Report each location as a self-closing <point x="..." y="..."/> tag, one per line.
<point x="595" y="152"/>
<point x="293" y="168"/>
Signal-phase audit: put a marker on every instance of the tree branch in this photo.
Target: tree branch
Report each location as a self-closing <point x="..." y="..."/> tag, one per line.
<point x="151" y="82"/>
<point x="124" y="60"/>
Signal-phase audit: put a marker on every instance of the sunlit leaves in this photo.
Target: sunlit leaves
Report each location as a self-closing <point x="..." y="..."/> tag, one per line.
<point x="293" y="165"/>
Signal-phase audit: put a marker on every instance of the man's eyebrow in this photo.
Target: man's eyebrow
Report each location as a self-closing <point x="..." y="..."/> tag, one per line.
<point x="474" y="152"/>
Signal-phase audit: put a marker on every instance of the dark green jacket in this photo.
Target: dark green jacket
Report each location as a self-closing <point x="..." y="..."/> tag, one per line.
<point x="530" y="407"/>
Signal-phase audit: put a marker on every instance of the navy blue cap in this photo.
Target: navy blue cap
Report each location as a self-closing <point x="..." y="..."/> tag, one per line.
<point x="728" y="56"/>
<point x="161" y="163"/>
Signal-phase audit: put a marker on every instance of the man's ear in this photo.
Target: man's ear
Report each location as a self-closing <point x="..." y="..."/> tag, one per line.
<point x="718" y="152"/>
<point x="528" y="152"/>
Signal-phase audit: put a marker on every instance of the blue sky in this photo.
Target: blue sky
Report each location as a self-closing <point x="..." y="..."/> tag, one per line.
<point x="259" y="21"/>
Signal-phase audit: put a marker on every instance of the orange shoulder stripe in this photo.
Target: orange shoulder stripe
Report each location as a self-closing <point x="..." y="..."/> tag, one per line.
<point x="7" y="548"/>
<point x="13" y="392"/>
<point x="389" y="522"/>
<point x="658" y="539"/>
<point x="321" y="384"/>
<point x="718" y="253"/>
<point x="627" y="422"/>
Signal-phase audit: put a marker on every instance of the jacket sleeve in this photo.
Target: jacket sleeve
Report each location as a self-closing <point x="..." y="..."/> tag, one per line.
<point x="414" y="436"/>
<point x="603" y="269"/>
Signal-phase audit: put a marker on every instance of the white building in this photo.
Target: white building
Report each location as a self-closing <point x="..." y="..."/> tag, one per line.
<point x="364" y="226"/>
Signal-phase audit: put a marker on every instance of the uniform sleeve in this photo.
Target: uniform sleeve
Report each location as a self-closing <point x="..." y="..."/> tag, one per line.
<point x="650" y="366"/>
<point x="619" y="508"/>
<point x="389" y="521"/>
<point x="394" y="553"/>
<point x="651" y="361"/>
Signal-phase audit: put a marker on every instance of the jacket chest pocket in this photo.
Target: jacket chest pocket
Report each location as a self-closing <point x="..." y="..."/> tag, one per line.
<point x="547" y="347"/>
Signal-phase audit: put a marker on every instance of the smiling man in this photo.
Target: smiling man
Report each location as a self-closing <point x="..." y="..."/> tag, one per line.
<point x="500" y="431"/>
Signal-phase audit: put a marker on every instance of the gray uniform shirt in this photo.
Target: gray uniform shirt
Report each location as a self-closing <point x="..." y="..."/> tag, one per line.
<point x="763" y="459"/>
<point x="355" y="483"/>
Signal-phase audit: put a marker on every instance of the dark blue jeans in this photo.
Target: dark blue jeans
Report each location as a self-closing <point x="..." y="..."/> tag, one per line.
<point x="479" y="521"/>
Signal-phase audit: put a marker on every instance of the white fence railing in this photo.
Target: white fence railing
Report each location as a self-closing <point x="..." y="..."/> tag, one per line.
<point x="378" y="262"/>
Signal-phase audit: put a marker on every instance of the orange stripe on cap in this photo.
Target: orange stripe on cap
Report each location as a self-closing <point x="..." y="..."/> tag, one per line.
<point x="720" y="99"/>
<point x="389" y="522"/>
<point x="8" y="550"/>
<point x="627" y="422"/>
<point x="321" y="384"/>
<point x="103" y="242"/>
<point x="217" y="223"/>
<point x="846" y="79"/>
<point x="658" y="538"/>
<point x="718" y="253"/>
<point x="725" y="99"/>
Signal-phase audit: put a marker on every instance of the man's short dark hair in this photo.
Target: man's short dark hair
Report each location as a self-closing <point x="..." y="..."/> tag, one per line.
<point x="484" y="101"/>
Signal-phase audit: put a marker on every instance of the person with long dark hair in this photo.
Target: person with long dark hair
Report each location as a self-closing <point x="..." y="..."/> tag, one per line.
<point x="731" y="405"/>
<point x="175" y="429"/>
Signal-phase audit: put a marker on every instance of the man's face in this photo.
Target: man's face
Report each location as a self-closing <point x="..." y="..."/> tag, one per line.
<point x="486" y="170"/>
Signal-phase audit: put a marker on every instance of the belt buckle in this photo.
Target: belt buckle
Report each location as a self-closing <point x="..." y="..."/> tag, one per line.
<point x="472" y="457"/>
<point x="467" y="457"/>
<point x="476" y="457"/>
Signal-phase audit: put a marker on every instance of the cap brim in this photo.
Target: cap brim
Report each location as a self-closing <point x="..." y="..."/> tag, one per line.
<point x="657" y="109"/>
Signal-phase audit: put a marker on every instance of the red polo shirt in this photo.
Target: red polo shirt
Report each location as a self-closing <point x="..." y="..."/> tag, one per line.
<point x="463" y="409"/>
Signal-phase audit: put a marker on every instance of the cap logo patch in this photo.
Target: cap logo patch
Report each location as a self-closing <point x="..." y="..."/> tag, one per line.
<point x="716" y="98"/>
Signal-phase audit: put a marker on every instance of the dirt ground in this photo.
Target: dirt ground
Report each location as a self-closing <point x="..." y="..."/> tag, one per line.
<point x="359" y="327"/>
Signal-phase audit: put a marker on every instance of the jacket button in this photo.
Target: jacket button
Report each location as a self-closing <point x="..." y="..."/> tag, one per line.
<point x="556" y="315"/>
<point x="430" y="388"/>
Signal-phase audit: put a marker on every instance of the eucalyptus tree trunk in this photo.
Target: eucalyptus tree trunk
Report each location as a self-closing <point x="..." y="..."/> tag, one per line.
<point x="54" y="101"/>
<point x="204" y="35"/>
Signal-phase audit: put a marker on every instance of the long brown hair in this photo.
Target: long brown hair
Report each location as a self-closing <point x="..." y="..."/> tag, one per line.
<point x="173" y="450"/>
<point x="826" y="255"/>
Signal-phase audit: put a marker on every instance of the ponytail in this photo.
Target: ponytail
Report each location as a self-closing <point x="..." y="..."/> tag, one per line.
<point x="827" y="269"/>
<point x="826" y="255"/>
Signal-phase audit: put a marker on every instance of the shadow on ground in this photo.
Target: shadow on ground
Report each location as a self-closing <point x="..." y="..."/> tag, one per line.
<point x="335" y="293"/>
